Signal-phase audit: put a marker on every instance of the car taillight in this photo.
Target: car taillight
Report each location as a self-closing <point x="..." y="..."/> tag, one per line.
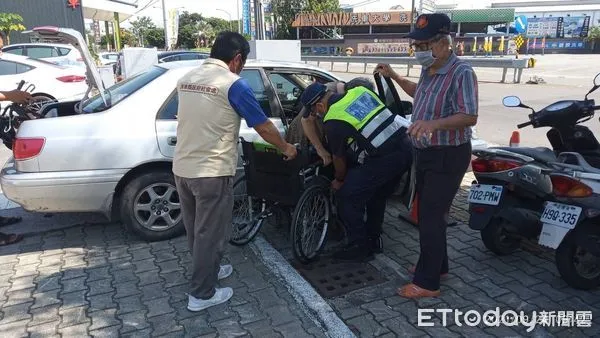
<point x="27" y="148"/>
<point x="71" y="78"/>
<point x="480" y="165"/>
<point x="564" y="186"/>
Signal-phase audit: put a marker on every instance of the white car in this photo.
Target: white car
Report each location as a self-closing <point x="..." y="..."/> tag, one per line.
<point x="108" y="58"/>
<point x="61" y="54"/>
<point x="112" y="154"/>
<point x="42" y="78"/>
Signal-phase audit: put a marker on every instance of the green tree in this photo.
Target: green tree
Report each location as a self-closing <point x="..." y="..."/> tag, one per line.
<point x="188" y="29"/>
<point x="593" y="37"/>
<point x="155" y="37"/>
<point x="128" y="38"/>
<point x="220" y="25"/>
<point x="140" y="26"/>
<point x="10" y="22"/>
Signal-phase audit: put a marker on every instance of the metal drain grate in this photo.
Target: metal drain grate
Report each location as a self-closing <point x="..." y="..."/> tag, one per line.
<point x="332" y="278"/>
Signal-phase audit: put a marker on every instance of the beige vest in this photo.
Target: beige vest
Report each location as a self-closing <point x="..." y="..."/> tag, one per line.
<point x="208" y="127"/>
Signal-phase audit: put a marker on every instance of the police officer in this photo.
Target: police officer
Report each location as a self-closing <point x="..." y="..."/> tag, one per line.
<point x="370" y="151"/>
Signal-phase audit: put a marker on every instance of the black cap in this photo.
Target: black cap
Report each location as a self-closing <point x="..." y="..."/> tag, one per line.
<point x="429" y="25"/>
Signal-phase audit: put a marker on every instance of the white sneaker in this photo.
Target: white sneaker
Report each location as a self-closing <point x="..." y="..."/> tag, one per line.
<point x="221" y="296"/>
<point x="225" y="271"/>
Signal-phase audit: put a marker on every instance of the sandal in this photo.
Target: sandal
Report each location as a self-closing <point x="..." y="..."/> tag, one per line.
<point x="414" y="291"/>
<point x="7" y="239"/>
<point x="413" y="268"/>
<point x="4" y="221"/>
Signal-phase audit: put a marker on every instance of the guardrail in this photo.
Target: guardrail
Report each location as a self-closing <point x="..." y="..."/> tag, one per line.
<point x="504" y="63"/>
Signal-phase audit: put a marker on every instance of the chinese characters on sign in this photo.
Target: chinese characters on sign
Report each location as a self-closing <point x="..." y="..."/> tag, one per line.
<point x="351" y="19"/>
<point x="558" y="27"/>
<point x="400" y="46"/>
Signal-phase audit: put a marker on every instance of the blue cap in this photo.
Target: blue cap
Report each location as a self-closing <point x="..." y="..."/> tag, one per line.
<point x="429" y="25"/>
<point x="312" y="94"/>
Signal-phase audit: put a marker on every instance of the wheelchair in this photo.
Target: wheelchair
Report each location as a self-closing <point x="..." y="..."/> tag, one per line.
<point x="299" y="187"/>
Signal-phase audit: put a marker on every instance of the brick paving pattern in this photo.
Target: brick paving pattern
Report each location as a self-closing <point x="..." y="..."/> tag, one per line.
<point x="479" y="280"/>
<point x="96" y="280"/>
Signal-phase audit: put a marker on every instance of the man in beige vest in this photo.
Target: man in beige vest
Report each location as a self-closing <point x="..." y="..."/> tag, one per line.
<point x="212" y="101"/>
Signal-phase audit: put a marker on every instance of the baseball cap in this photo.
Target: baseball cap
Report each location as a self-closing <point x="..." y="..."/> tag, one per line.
<point x="311" y="95"/>
<point x="429" y="25"/>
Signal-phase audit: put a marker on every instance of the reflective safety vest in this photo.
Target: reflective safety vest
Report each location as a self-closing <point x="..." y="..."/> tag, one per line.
<point x="363" y="109"/>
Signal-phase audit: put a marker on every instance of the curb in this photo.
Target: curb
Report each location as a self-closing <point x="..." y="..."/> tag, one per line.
<point x="307" y="297"/>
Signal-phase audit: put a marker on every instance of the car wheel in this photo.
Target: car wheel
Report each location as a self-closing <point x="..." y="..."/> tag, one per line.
<point x="150" y="207"/>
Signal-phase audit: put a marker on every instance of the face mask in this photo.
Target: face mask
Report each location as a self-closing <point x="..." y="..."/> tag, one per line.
<point x="425" y="58"/>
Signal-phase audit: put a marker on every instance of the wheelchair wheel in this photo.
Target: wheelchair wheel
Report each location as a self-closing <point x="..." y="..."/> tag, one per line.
<point x="310" y="223"/>
<point x="248" y="214"/>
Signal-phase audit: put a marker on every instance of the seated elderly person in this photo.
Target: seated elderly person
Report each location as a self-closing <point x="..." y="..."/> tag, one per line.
<point x="305" y="127"/>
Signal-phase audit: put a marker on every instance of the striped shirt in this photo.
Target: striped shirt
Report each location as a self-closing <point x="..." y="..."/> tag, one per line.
<point x="451" y="90"/>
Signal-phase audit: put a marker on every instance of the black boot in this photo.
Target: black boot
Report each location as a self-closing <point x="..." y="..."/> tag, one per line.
<point x="376" y="244"/>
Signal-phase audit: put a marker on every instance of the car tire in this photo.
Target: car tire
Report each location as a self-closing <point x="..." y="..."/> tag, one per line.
<point x="137" y="197"/>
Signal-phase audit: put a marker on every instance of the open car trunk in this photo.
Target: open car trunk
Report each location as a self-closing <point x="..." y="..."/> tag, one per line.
<point x="74" y="38"/>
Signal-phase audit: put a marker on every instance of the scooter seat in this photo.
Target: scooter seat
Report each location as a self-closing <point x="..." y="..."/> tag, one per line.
<point x="541" y="154"/>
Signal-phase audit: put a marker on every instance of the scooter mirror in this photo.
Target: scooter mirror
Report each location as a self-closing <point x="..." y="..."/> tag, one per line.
<point x="596" y="85"/>
<point x="511" y="101"/>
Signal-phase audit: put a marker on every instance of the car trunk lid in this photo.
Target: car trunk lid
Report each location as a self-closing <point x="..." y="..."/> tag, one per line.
<point x="74" y="38"/>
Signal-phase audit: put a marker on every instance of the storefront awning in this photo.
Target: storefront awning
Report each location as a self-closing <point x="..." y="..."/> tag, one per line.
<point x="104" y="10"/>
<point x="487" y="15"/>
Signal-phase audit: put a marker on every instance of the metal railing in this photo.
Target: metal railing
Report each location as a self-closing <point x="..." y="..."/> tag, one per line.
<point x="505" y="63"/>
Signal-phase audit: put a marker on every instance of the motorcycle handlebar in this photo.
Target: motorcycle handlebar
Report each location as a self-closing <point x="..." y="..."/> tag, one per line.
<point x="522" y="125"/>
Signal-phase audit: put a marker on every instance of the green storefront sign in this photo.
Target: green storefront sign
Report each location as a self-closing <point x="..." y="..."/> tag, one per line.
<point x="491" y="15"/>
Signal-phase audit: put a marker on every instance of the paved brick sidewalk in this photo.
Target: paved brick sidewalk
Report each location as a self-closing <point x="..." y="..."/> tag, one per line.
<point x="478" y="280"/>
<point x="96" y="280"/>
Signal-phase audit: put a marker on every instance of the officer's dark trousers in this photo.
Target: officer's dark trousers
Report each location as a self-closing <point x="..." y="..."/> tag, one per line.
<point x="439" y="174"/>
<point x="367" y="187"/>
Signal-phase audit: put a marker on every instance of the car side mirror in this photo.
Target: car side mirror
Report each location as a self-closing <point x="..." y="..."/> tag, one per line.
<point x="511" y="101"/>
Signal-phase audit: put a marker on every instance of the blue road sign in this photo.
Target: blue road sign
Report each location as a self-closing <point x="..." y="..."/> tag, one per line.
<point x="521" y="23"/>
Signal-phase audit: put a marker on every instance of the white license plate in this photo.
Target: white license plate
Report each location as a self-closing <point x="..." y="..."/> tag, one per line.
<point x="485" y="194"/>
<point x="561" y="215"/>
<point x="552" y="235"/>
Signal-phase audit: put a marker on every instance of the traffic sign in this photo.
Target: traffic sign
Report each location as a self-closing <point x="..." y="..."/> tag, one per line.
<point x="521" y="23"/>
<point x="519" y="41"/>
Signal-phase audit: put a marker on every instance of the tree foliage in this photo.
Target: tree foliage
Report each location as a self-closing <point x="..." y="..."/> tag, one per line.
<point x="10" y="22"/>
<point x="140" y="26"/>
<point x="285" y="11"/>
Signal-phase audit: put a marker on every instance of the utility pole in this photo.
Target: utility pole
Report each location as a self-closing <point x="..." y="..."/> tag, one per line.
<point x="412" y="15"/>
<point x="237" y="4"/>
<point x="164" y="8"/>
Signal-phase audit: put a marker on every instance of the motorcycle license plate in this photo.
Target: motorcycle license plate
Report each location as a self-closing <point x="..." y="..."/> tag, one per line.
<point x="562" y="215"/>
<point x="485" y="194"/>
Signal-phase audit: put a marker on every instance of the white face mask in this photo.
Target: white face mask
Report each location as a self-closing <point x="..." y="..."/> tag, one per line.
<point x="425" y="58"/>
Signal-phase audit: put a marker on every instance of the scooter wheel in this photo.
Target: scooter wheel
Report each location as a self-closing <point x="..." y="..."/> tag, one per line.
<point x="577" y="266"/>
<point x="496" y="238"/>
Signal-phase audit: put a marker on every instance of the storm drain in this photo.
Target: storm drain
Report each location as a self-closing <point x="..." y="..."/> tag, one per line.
<point x="332" y="278"/>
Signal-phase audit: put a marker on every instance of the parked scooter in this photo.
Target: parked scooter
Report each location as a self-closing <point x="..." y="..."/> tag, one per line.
<point x="571" y="225"/>
<point x="512" y="183"/>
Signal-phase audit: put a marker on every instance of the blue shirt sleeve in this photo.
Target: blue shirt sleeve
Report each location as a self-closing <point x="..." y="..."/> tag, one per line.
<point x="244" y="103"/>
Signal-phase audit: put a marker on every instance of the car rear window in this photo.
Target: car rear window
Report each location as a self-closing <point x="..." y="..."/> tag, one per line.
<point x="64" y="51"/>
<point x="122" y="90"/>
